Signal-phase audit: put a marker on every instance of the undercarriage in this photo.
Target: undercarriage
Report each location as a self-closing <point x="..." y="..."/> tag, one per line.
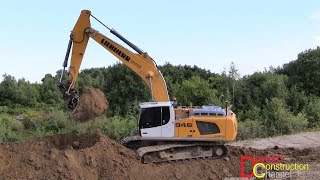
<point x="157" y="151"/>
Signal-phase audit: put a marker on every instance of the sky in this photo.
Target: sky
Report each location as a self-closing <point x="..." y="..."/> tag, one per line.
<point x="208" y="33"/>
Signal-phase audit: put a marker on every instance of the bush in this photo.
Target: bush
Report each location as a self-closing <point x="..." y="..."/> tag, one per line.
<point x="32" y="119"/>
<point x="250" y="129"/>
<point x="80" y="128"/>
<point x="39" y="123"/>
<point x="56" y="121"/>
<point x="313" y="112"/>
<point x="278" y="120"/>
<point x="197" y="91"/>
<point x="118" y="127"/>
<point x="298" y="123"/>
<point x="9" y="123"/>
<point x="4" y="109"/>
<point x="10" y="129"/>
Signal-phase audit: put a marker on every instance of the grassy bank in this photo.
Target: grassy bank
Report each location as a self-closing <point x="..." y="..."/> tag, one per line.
<point x="35" y="123"/>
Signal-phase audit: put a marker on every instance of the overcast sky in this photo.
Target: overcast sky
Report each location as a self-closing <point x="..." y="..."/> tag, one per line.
<point x="210" y="34"/>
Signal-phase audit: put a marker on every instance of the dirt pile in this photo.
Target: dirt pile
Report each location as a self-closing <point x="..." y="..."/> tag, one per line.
<point x="95" y="156"/>
<point x="92" y="104"/>
<point x="68" y="156"/>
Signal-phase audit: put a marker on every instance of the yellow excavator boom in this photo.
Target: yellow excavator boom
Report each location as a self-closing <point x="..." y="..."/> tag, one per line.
<point x="141" y="63"/>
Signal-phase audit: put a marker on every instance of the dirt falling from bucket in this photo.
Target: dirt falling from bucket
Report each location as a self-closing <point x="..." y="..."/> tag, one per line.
<point x="92" y="104"/>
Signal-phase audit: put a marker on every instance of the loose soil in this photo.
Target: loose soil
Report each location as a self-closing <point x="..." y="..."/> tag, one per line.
<point x="92" y="104"/>
<point x="95" y="156"/>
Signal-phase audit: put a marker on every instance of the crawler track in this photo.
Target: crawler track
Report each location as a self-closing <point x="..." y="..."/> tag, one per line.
<point x="175" y="152"/>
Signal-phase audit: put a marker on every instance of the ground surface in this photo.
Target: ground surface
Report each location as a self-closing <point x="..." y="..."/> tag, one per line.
<point x="299" y="141"/>
<point x="95" y="156"/>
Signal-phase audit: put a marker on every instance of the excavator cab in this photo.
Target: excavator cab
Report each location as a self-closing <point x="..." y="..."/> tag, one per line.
<point x="156" y="119"/>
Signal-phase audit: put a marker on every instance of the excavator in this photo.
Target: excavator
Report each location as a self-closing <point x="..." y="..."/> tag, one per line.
<point x="166" y="132"/>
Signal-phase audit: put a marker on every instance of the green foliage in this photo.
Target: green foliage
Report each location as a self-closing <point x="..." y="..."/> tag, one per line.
<point x="296" y="100"/>
<point x="249" y="93"/>
<point x="277" y="101"/>
<point x="28" y="95"/>
<point x="313" y="111"/>
<point x="253" y="114"/>
<point x="274" y="86"/>
<point x="32" y="119"/>
<point x="124" y="88"/>
<point x="9" y="128"/>
<point x="118" y="127"/>
<point x="8" y="90"/>
<point x="4" y="109"/>
<point x="121" y="85"/>
<point x="17" y="93"/>
<point x="298" y="123"/>
<point x="173" y="89"/>
<point x="180" y="73"/>
<point x="276" y="120"/>
<point x="304" y="72"/>
<point x="56" y="121"/>
<point x="250" y="129"/>
<point x="49" y="92"/>
<point x="197" y="91"/>
<point x="37" y="124"/>
<point x="279" y="120"/>
<point x="8" y="122"/>
<point x="33" y="124"/>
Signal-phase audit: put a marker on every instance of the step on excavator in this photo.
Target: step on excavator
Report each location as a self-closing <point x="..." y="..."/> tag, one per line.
<point x="166" y="132"/>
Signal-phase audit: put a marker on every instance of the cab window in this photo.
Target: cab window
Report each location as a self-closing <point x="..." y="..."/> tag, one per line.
<point x="153" y="117"/>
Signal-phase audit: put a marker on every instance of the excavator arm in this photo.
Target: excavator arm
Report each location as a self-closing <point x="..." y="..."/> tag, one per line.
<point x="141" y="63"/>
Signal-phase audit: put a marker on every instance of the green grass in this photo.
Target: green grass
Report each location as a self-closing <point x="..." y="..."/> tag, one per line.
<point x="40" y="123"/>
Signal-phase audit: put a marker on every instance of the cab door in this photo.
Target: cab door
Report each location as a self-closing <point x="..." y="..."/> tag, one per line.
<point x="167" y="123"/>
<point x="157" y="122"/>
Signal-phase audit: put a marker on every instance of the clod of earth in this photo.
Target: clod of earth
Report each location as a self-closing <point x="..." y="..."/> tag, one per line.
<point x="92" y="104"/>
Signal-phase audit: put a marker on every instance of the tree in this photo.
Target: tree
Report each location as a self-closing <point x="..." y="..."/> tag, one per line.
<point x="234" y="75"/>
<point x="313" y="111"/>
<point x="297" y="100"/>
<point x="279" y="120"/>
<point x="275" y="86"/>
<point x="180" y="73"/>
<point x="124" y="89"/>
<point x="304" y="72"/>
<point x="49" y="92"/>
<point x="28" y="95"/>
<point x="173" y="89"/>
<point x="8" y="90"/>
<point x="19" y="92"/>
<point x="197" y="91"/>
